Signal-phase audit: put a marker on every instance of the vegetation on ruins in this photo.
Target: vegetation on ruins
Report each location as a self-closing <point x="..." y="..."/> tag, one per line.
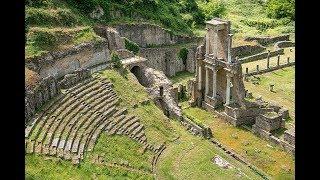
<point x="58" y="19"/>
<point x="115" y="60"/>
<point x="183" y="55"/>
<point x="131" y="46"/>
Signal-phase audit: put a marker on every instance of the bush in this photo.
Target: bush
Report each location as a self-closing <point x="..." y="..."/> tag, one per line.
<point x="183" y="55"/>
<point x="115" y="59"/>
<point x="281" y="9"/>
<point x="131" y="46"/>
<point x="213" y="9"/>
<point x="58" y="17"/>
<point x="44" y="39"/>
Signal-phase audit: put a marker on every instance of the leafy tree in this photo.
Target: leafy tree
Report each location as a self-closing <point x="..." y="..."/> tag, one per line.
<point x="281" y="9"/>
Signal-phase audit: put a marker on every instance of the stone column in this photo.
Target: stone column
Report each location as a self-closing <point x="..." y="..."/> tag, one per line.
<point x="214" y="82"/>
<point x="278" y="60"/>
<point x="216" y="42"/>
<point x="200" y="79"/>
<point x="228" y="89"/>
<point x="229" y="47"/>
<point x="288" y="60"/>
<point x="207" y="41"/>
<point x="207" y="80"/>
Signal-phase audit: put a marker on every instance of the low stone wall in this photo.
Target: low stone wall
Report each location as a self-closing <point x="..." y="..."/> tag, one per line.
<point x="196" y="129"/>
<point x="58" y="64"/>
<point x="268" y="39"/>
<point x="167" y="60"/>
<point x="149" y="35"/>
<point x="283" y="44"/>
<point x="45" y="90"/>
<point x="246" y="50"/>
<point x="270" y="69"/>
<point x="276" y="141"/>
<point x="260" y="56"/>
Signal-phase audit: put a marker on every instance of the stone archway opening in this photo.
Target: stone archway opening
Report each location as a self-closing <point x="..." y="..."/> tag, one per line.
<point x="137" y="71"/>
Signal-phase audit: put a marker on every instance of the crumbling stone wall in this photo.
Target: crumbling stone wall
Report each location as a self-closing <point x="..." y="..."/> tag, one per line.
<point x="149" y="35"/>
<point x="35" y="97"/>
<point x="283" y="44"/>
<point x="167" y="60"/>
<point x="60" y="63"/>
<point x="260" y="56"/>
<point x="265" y="40"/>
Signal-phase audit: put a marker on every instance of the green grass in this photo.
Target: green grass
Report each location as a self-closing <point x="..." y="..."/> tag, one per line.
<point x="284" y="91"/>
<point x="41" y="167"/>
<point x="190" y="157"/>
<point x="131" y="93"/>
<point x="122" y="149"/>
<point x="43" y="39"/>
<point x="181" y="78"/>
<point x="272" y="160"/>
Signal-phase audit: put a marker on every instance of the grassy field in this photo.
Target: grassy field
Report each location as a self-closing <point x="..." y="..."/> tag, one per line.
<point x="284" y="88"/>
<point x="44" y="167"/>
<point x="190" y="157"/>
<point x="259" y="152"/>
<point x="132" y="93"/>
<point x="182" y="78"/>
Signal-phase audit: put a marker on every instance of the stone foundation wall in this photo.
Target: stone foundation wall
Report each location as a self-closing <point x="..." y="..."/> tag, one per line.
<point x="58" y="64"/>
<point x="268" y="40"/>
<point x="167" y="60"/>
<point x="146" y="35"/>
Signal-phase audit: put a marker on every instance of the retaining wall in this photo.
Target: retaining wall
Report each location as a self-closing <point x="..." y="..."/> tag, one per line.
<point x="265" y="40"/>
<point x="260" y="56"/>
<point x="60" y="63"/>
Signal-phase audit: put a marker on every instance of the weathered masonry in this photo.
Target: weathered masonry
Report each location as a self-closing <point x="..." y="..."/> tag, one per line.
<point x="218" y="81"/>
<point x="218" y="87"/>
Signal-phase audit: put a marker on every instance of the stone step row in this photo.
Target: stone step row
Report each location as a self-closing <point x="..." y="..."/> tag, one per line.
<point x="62" y="112"/>
<point x="61" y="104"/>
<point x="72" y="123"/>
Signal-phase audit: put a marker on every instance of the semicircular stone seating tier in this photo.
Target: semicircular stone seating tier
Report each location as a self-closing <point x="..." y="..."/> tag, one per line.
<point x="70" y="124"/>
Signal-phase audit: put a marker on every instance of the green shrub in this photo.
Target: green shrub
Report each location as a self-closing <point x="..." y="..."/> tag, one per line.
<point x="115" y="59"/>
<point x="43" y="17"/>
<point x="131" y="46"/>
<point x="213" y="9"/>
<point x="183" y="55"/>
<point x="44" y="39"/>
<point x="281" y="9"/>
